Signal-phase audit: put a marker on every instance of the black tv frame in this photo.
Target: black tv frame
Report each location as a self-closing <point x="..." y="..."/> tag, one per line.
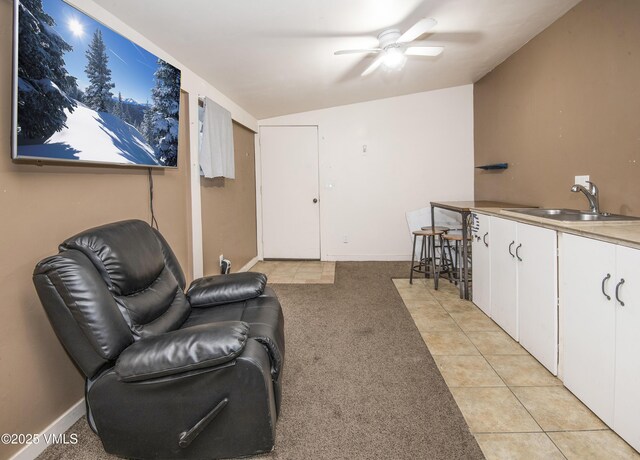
<point x="25" y="159"/>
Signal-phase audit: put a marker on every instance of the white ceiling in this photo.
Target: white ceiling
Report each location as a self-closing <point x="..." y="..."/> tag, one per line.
<point x="275" y="57"/>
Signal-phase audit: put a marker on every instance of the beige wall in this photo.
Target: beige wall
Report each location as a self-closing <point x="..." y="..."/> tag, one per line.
<point x="229" y="209"/>
<point x="39" y="207"/>
<point x="566" y="104"/>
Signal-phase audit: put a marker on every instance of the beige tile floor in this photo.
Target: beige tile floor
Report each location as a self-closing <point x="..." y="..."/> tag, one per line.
<point x="297" y="272"/>
<point x="515" y="408"/>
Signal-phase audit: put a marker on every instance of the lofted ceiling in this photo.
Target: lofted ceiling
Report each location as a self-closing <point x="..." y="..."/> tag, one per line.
<point x="275" y="57"/>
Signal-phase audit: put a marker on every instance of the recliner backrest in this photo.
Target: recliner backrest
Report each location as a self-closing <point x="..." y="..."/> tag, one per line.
<point x="109" y="286"/>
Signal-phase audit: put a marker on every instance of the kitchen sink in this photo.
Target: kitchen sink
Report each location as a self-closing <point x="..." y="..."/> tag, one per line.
<point x="573" y="215"/>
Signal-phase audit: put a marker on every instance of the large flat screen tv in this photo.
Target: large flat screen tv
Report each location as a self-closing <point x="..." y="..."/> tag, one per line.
<point x="84" y="93"/>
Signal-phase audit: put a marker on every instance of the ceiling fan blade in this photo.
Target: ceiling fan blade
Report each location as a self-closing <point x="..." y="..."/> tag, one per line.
<point x="424" y="50"/>
<point x="374" y="65"/>
<point x="368" y="50"/>
<point x="419" y="28"/>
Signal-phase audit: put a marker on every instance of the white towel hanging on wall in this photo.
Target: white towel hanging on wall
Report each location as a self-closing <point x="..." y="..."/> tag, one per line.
<point x="216" y="149"/>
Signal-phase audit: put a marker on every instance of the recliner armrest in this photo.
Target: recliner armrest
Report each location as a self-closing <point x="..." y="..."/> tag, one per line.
<point x="182" y="350"/>
<point x="218" y="290"/>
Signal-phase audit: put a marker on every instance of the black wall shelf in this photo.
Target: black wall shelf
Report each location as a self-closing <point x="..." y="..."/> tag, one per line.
<point x="493" y="166"/>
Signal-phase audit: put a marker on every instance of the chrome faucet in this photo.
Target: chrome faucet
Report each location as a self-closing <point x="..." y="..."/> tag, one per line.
<point x="592" y="195"/>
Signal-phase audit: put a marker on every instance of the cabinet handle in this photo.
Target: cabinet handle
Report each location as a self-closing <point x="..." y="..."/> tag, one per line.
<point x="604" y="281"/>
<point x="617" y="291"/>
<point x="484" y="239"/>
<point x="517" y="255"/>
<point x="510" y="245"/>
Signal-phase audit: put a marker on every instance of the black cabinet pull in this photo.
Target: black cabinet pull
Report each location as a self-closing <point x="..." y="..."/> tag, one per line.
<point x="604" y="280"/>
<point x="618" y="291"/>
<point x="484" y="239"/>
<point x="517" y="255"/>
<point x="510" y="245"/>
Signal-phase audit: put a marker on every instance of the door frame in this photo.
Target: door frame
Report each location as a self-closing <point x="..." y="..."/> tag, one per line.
<point x="258" y="168"/>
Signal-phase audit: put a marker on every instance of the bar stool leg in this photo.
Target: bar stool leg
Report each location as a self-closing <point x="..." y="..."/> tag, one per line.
<point x="426" y="254"/>
<point x="436" y="271"/>
<point x="452" y="262"/>
<point x="427" y="263"/>
<point x="444" y="263"/>
<point x="413" y="257"/>
<point x="459" y="261"/>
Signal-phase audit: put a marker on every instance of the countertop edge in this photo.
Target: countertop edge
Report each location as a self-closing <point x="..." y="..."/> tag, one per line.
<point x="603" y="231"/>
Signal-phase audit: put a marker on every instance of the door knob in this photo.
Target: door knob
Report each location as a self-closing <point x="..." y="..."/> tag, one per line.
<point x="315" y="200"/>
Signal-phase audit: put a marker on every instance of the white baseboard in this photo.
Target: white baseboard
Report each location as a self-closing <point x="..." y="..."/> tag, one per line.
<point x="368" y="258"/>
<point x="249" y="264"/>
<point x="59" y="426"/>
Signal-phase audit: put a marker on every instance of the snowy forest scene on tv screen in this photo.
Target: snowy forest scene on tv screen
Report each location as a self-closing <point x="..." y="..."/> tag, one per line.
<point x="87" y="93"/>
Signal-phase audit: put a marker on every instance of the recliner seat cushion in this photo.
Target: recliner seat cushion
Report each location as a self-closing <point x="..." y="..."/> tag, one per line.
<point x="264" y="316"/>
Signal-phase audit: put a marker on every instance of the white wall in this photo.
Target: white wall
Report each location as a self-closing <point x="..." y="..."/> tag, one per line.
<point x="419" y="148"/>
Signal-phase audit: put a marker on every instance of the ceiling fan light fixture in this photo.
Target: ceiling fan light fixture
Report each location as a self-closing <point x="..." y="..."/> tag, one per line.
<point x="393" y="58"/>
<point x="394" y="47"/>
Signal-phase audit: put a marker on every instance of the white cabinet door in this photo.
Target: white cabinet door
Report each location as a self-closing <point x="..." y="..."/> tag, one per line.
<point x="588" y="321"/>
<point x="504" y="288"/>
<point x="538" y="293"/>
<point x="481" y="261"/>
<point x="627" y="375"/>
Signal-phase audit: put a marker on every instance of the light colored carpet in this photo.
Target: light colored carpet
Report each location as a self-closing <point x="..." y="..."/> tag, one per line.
<point x="359" y="382"/>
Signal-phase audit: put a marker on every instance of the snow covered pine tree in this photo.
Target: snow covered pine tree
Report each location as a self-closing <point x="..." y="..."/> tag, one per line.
<point x="98" y="94"/>
<point x="118" y="108"/>
<point x="164" y="127"/>
<point x="147" y="123"/>
<point x="42" y="77"/>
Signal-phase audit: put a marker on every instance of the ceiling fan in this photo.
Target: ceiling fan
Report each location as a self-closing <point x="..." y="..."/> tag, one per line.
<point x="393" y="47"/>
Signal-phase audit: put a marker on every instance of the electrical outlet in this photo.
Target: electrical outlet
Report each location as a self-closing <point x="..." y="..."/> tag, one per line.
<point x="582" y="180"/>
<point x="220" y="261"/>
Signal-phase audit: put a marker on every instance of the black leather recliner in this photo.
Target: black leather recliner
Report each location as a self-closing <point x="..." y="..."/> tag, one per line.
<point x="168" y="374"/>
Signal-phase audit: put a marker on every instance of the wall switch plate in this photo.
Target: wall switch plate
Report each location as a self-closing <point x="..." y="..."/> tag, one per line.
<point x="345" y="239"/>
<point x="582" y="180"/>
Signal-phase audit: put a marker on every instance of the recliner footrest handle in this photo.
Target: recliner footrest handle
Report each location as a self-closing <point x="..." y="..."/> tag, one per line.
<point x="187" y="437"/>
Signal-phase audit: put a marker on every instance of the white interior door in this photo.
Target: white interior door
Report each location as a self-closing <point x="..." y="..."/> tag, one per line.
<point x="290" y="192"/>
